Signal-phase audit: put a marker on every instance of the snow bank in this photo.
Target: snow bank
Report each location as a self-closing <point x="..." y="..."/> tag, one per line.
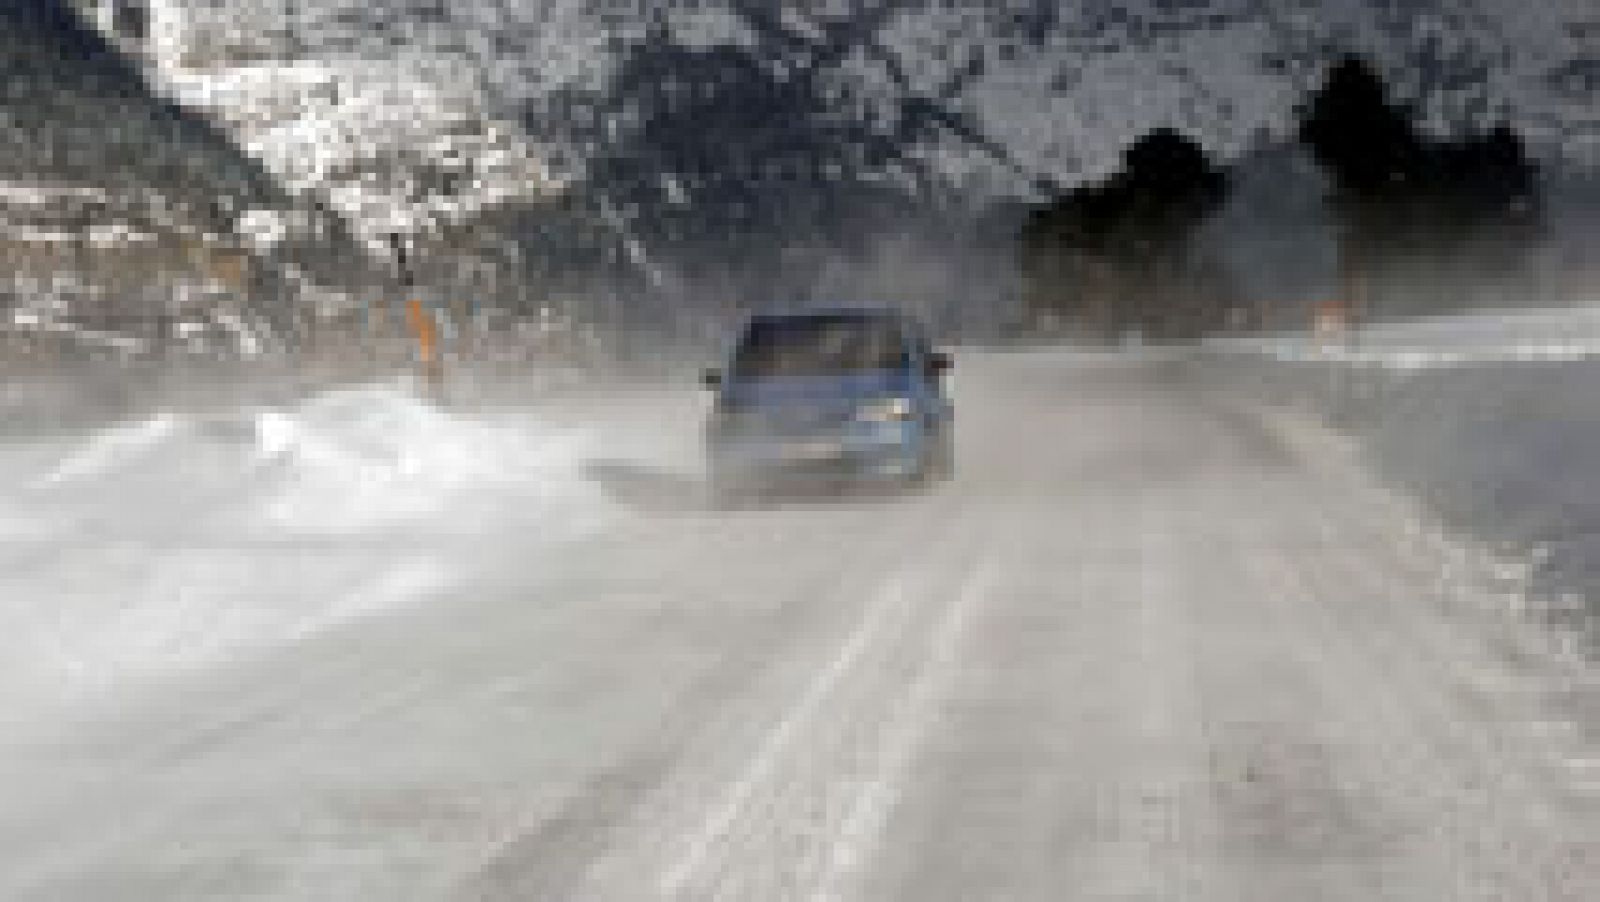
<point x="1449" y="342"/>
<point x="365" y="459"/>
<point x="1492" y="419"/>
<point x="181" y="540"/>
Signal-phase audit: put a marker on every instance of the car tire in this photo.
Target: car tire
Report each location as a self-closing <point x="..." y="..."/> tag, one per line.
<point x="941" y="464"/>
<point x="935" y="463"/>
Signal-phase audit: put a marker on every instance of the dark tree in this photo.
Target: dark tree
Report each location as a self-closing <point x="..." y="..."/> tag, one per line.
<point x="1364" y="141"/>
<point x="1121" y="254"/>
<point x="1423" y="223"/>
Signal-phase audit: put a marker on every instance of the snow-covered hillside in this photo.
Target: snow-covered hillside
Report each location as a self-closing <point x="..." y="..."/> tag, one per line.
<point x="397" y="141"/>
<point x="810" y="149"/>
<point x="121" y="212"/>
<point x="994" y="96"/>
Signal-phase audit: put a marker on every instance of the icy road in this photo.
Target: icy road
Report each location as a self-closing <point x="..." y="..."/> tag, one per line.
<point x="1154" y="642"/>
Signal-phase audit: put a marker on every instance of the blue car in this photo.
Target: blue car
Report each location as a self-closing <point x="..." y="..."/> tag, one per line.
<point x="852" y="394"/>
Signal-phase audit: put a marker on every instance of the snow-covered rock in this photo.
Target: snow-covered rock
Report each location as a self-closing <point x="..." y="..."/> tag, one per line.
<point x="991" y="91"/>
<point x="677" y="125"/>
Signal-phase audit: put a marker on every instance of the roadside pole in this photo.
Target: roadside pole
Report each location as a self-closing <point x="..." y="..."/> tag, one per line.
<point x="422" y="325"/>
<point x="1338" y="321"/>
<point x="426" y="332"/>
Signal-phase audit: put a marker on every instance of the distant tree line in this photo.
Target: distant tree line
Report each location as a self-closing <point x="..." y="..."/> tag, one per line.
<point x="1119" y="255"/>
<point x="1420" y="221"/>
<point x="1423" y="223"/>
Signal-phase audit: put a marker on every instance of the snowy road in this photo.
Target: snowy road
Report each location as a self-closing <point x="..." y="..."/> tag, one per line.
<point x="1153" y="643"/>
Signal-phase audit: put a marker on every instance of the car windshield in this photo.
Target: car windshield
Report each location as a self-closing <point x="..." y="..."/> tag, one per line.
<point x="817" y="346"/>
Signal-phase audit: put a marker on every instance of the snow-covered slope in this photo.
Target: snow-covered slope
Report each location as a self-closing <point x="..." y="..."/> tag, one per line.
<point x="695" y="134"/>
<point x="395" y="136"/>
<point x="393" y="145"/>
<point x="994" y="94"/>
<point x="118" y="207"/>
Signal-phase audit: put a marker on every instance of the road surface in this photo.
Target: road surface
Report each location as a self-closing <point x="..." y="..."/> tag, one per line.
<point x="1152" y="643"/>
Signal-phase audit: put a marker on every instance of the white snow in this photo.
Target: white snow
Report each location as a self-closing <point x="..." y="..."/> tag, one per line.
<point x="180" y="540"/>
<point x="364" y="134"/>
<point x="1518" y="336"/>
<point x="1488" y="419"/>
<point x="1230" y="632"/>
<point x="327" y="94"/>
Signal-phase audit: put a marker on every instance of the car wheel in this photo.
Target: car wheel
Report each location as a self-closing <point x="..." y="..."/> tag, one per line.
<point x="932" y="464"/>
<point x="941" y="464"/>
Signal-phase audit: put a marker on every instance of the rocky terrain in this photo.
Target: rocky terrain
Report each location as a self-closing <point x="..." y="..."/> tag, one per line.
<point x="637" y="159"/>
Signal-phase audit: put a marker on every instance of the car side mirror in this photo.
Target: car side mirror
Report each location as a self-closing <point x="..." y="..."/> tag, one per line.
<point x="711" y="378"/>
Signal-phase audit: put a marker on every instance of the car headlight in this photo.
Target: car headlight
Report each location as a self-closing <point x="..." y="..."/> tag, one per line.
<point x="888" y="410"/>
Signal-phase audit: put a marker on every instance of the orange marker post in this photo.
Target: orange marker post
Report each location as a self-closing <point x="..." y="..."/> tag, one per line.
<point x="427" y="335"/>
<point x="1332" y="319"/>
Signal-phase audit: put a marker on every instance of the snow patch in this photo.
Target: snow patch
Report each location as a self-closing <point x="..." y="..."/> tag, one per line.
<point x="360" y="459"/>
<point x="1490" y="420"/>
<point x="181" y="542"/>
<point x="112" y="448"/>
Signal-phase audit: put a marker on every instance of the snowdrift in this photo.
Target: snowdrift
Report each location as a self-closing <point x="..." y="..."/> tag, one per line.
<point x="178" y="540"/>
<point x="1492" y="419"/>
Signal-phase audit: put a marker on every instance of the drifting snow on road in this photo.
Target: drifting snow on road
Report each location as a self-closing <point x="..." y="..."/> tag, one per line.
<point x="1155" y="641"/>
<point x="180" y="540"/>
